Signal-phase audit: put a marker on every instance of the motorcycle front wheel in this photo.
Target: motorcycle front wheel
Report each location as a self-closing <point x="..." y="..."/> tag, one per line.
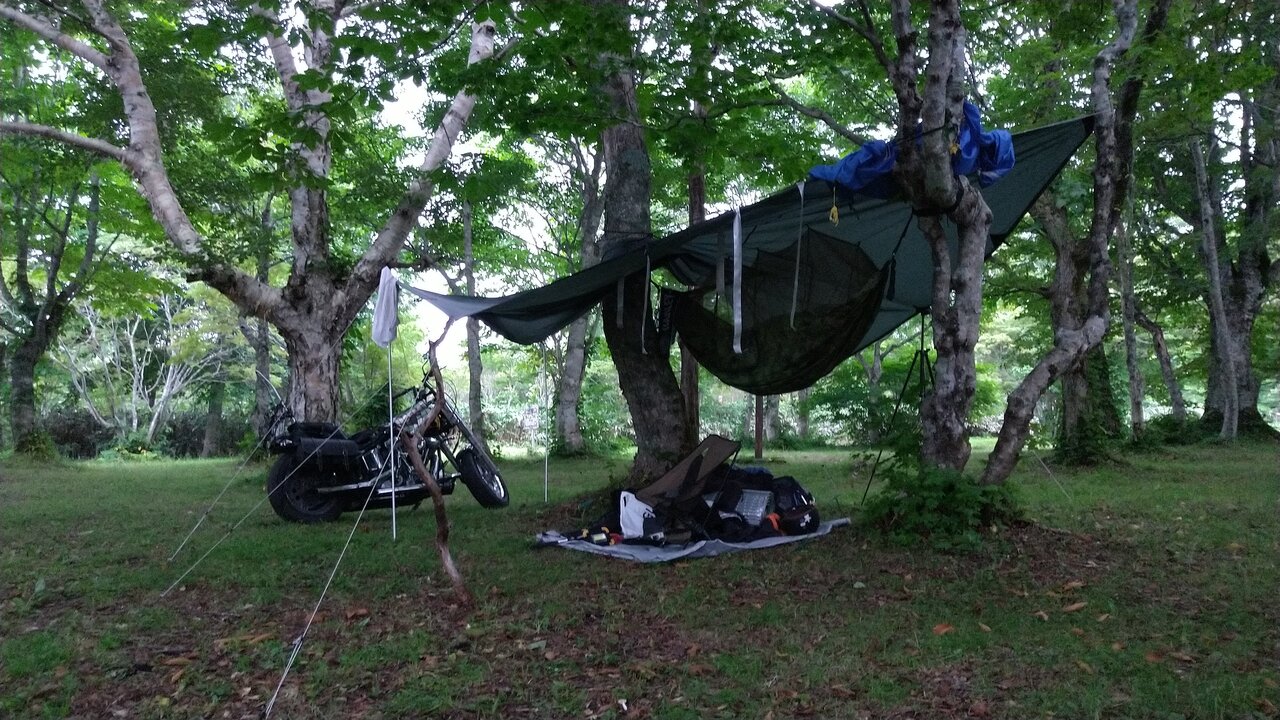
<point x="481" y="477"/>
<point x="292" y="491"/>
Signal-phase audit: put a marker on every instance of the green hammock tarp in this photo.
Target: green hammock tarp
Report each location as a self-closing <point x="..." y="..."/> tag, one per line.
<point x="875" y="251"/>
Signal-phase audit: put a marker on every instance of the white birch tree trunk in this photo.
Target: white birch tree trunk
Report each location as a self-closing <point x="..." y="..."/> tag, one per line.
<point x="1129" y="311"/>
<point x="581" y="331"/>
<point x="1113" y="142"/>
<point x="1222" y="346"/>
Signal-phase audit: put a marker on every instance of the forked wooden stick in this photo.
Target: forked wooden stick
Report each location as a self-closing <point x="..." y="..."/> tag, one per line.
<point x="410" y="441"/>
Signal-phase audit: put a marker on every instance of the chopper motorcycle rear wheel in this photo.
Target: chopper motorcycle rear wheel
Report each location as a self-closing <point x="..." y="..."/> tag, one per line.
<point x="292" y="491"/>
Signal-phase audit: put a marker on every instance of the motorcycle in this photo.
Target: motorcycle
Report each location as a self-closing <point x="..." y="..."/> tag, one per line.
<point x="322" y="472"/>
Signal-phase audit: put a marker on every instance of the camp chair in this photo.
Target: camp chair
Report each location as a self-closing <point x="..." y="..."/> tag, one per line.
<point x="687" y="477"/>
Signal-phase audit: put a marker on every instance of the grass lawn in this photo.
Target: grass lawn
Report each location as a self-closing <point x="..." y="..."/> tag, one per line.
<point x="1147" y="589"/>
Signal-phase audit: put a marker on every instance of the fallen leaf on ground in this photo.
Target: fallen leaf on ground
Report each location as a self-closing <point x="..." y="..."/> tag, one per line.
<point x="1076" y="606"/>
<point x="1073" y="585"/>
<point x="842" y="692"/>
<point x="984" y="627"/>
<point x="1117" y="646"/>
<point x="1041" y="614"/>
<point x="1084" y="666"/>
<point x="1078" y="632"/>
<point x="943" y="629"/>
<point x="221" y="643"/>
<point x="1104" y="617"/>
<point x="1184" y="657"/>
<point x="1154" y="657"/>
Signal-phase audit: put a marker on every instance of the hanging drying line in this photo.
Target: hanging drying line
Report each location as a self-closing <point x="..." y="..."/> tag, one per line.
<point x="891" y="288"/>
<point x="719" y="266"/>
<point x="644" y="310"/>
<point x="795" y="286"/>
<point x="737" y="281"/>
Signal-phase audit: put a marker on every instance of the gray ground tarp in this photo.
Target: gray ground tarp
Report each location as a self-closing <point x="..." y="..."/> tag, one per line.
<point x="689" y="551"/>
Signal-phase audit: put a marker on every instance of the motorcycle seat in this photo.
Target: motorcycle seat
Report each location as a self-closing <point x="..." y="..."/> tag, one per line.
<point x="317" y="430"/>
<point x="336" y="447"/>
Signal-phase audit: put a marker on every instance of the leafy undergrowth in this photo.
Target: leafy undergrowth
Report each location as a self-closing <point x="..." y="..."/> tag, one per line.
<point x="1143" y="590"/>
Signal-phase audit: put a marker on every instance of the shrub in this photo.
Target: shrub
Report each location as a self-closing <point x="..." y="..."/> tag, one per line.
<point x="183" y="435"/>
<point x="862" y="413"/>
<point x="944" y="507"/>
<point x="789" y="440"/>
<point x="37" y="446"/>
<point x="76" y="434"/>
<point x="133" y="446"/>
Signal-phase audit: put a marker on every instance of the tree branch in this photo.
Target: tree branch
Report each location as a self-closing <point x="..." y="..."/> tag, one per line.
<point x="346" y="10"/>
<point x="282" y="56"/>
<point x="26" y="223"/>
<point x="60" y="247"/>
<point x="76" y="47"/>
<point x="391" y="236"/>
<point x="101" y="147"/>
<point x="90" y="245"/>
<point x="145" y="160"/>
<point x="866" y="29"/>
<point x="817" y="114"/>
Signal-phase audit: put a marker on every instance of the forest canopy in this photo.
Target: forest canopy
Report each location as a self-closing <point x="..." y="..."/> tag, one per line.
<point x="197" y="202"/>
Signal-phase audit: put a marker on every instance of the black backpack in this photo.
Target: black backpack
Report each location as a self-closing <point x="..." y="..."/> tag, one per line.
<point x="794" y="505"/>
